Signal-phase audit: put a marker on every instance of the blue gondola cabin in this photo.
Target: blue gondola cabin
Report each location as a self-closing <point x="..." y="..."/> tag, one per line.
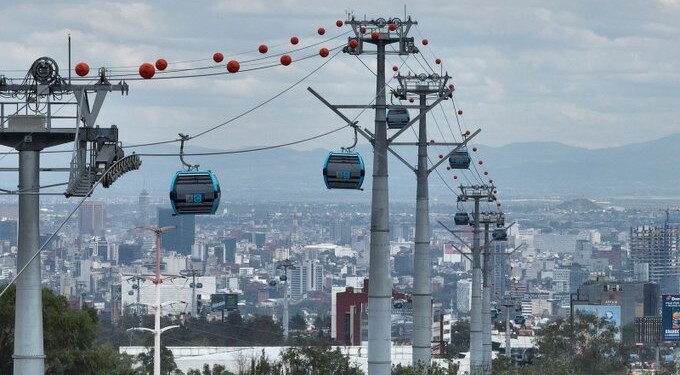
<point x="194" y="192"/>
<point x="343" y="170"/>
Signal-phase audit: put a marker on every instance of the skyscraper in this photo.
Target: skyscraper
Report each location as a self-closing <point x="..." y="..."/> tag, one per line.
<point x="464" y="296"/>
<point x="657" y="246"/>
<point x="91" y="218"/>
<point x="143" y="209"/>
<point x="500" y="269"/>
<point x="180" y="239"/>
<point x="8" y="231"/>
<point x="306" y="277"/>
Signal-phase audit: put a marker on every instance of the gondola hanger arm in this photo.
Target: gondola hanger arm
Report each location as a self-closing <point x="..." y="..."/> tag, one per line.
<point x="184" y="138"/>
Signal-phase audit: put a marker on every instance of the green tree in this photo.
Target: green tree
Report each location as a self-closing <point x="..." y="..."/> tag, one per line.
<point x="262" y="366"/>
<point x="422" y="369"/>
<point x="262" y="330"/>
<point x="317" y="360"/>
<point x="168" y="365"/>
<point x="460" y="338"/>
<point x="216" y="370"/>
<point x="591" y="348"/>
<point x="69" y="337"/>
<point x="298" y="323"/>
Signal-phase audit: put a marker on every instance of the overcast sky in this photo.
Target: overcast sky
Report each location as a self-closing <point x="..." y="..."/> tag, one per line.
<point x="581" y="72"/>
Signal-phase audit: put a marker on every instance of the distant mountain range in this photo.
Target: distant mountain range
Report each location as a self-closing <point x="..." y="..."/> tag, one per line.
<point x="521" y="170"/>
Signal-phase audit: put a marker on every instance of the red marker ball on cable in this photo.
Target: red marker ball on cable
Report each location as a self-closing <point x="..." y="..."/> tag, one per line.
<point x="82" y="69"/>
<point x="161" y="64"/>
<point x="147" y="70"/>
<point x="233" y="66"/>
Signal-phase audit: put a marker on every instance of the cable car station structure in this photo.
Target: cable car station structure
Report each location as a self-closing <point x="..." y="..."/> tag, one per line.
<point x="27" y="126"/>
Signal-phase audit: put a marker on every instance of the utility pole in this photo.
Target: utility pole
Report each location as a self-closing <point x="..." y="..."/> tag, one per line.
<point x="157" y="304"/>
<point x="29" y="130"/>
<point x="193" y="273"/>
<point x="285" y="266"/>
<point x="476" y="193"/>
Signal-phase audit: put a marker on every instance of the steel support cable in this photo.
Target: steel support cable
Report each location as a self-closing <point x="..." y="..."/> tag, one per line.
<point x="452" y="98"/>
<point x="242" y="114"/>
<point x="463" y="173"/>
<point x="255" y="64"/>
<point x="263" y="147"/>
<point x="261" y="67"/>
<point x="429" y="159"/>
<point x="404" y="61"/>
<point x="63" y="223"/>
<point x="387" y="82"/>
<point x="245" y="151"/>
<point x="134" y="67"/>
<point x="272" y="98"/>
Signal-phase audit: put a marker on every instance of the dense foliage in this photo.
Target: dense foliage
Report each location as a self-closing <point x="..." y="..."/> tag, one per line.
<point x="590" y="348"/>
<point x="69" y="337"/>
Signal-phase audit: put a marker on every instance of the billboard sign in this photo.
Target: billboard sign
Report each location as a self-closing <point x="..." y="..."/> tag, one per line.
<point x="670" y="317"/>
<point x="224" y="301"/>
<point x="610" y="313"/>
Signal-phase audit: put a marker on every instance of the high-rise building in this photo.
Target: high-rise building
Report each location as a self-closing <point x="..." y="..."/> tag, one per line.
<point x="229" y="250"/>
<point x="348" y="313"/>
<point x="464" y="296"/>
<point x="129" y="252"/>
<point x="258" y="238"/>
<point x="658" y="247"/>
<point x="180" y="239"/>
<point x="91" y="218"/>
<point x="8" y="231"/>
<point x="637" y="299"/>
<point x="99" y="248"/>
<point x="144" y="209"/>
<point x="500" y="269"/>
<point x="306" y="277"/>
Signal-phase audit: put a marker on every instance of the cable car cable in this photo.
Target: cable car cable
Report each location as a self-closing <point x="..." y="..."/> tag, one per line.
<point x="134" y="67"/>
<point x="255" y="149"/>
<point x="259" y="105"/>
<point x="59" y="227"/>
<point x="137" y="78"/>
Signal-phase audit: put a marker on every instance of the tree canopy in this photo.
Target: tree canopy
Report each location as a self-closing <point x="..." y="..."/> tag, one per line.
<point x="69" y="337"/>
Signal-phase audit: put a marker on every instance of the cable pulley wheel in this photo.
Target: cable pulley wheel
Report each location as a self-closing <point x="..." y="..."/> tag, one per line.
<point x="45" y="70"/>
